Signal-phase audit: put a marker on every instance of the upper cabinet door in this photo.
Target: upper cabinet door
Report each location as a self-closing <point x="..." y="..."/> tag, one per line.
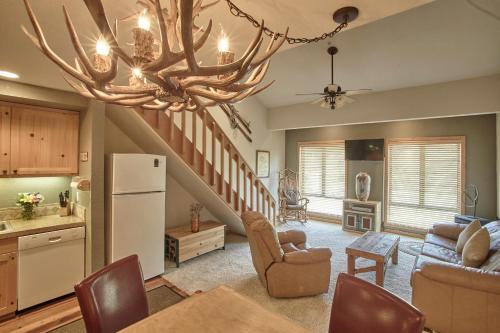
<point x="5" y="114"/>
<point x="43" y="142"/>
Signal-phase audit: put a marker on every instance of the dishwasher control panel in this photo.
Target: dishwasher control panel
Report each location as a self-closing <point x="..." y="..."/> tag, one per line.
<point x="51" y="237"/>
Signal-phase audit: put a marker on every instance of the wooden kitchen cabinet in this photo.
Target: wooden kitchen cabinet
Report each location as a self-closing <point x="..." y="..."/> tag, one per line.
<point x="5" y="114"/>
<point x="43" y="141"/>
<point x="8" y="276"/>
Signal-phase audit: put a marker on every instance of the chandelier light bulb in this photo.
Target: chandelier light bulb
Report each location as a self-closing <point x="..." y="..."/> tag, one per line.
<point x="102" y="47"/>
<point x="223" y="44"/>
<point x="137" y="72"/>
<point x="144" y="22"/>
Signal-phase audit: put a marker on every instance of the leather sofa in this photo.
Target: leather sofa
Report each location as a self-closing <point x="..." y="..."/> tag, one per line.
<point x="285" y="265"/>
<point x="455" y="298"/>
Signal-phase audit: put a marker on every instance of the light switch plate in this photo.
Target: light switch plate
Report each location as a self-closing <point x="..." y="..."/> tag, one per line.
<point x="84" y="157"/>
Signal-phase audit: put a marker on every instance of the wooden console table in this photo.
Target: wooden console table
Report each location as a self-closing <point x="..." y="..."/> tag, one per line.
<point x="361" y="215"/>
<point x="218" y="310"/>
<point x="182" y="244"/>
<point x="378" y="246"/>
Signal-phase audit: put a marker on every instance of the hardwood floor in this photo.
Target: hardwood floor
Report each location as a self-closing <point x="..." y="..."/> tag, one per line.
<point x="58" y="313"/>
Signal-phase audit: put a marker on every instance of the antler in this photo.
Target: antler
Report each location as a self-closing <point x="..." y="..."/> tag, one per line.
<point x="173" y="80"/>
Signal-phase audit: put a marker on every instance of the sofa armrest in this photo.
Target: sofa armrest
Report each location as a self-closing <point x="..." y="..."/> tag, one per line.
<point x="448" y="230"/>
<point x="460" y="276"/>
<point x="292" y="236"/>
<point x="309" y="256"/>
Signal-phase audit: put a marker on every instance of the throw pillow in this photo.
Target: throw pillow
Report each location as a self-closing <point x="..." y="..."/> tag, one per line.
<point x="467" y="233"/>
<point x="493" y="263"/>
<point x="292" y="197"/>
<point x="476" y="249"/>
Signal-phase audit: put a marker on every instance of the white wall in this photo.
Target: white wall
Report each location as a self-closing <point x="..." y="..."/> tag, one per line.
<point x="456" y="98"/>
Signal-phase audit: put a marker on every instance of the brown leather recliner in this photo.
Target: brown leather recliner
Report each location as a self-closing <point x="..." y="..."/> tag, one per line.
<point x="362" y="307"/>
<point x="286" y="267"/>
<point x="455" y="298"/>
<point x="113" y="297"/>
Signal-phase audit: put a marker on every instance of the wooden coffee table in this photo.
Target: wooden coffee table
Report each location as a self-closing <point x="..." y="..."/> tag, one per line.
<point x="378" y="246"/>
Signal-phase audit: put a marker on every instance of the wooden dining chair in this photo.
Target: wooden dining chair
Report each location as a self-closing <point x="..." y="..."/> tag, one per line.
<point x="360" y="307"/>
<point x="113" y="297"/>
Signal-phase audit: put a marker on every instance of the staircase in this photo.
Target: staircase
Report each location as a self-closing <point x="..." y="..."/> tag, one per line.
<point x="199" y="141"/>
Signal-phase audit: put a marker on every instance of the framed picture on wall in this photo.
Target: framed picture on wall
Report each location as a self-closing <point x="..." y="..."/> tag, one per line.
<point x="263" y="163"/>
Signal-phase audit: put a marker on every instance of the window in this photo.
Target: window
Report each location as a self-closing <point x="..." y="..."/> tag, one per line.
<point x="424" y="181"/>
<point x="322" y="176"/>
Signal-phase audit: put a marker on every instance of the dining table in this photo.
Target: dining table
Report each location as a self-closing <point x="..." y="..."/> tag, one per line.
<point x="219" y="310"/>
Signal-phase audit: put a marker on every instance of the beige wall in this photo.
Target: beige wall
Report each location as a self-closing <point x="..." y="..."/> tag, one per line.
<point x="92" y="142"/>
<point x="480" y="133"/>
<point x="456" y="98"/>
<point x="15" y="92"/>
<point x="498" y="162"/>
<point x="263" y="138"/>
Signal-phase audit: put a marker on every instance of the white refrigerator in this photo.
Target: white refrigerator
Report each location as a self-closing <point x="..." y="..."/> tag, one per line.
<point x="135" y="210"/>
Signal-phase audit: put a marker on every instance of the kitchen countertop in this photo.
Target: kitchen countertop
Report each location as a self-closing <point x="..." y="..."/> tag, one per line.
<point x="41" y="224"/>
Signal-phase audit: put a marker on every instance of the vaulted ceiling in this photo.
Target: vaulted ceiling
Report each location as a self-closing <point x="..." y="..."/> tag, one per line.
<point x="392" y="44"/>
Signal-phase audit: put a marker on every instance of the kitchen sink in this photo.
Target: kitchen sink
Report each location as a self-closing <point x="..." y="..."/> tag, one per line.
<point x="4" y="227"/>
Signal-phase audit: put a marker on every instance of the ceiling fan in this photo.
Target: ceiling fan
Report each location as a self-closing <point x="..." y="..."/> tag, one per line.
<point x="333" y="96"/>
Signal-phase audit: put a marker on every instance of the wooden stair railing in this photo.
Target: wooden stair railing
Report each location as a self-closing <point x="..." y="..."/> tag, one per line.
<point x="214" y="158"/>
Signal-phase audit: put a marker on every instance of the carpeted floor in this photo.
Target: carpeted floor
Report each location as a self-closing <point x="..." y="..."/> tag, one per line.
<point x="158" y="299"/>
<point x="233" y="267"/>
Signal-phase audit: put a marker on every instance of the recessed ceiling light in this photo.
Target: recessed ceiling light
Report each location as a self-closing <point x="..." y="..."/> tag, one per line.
<point x="9" y="75"/>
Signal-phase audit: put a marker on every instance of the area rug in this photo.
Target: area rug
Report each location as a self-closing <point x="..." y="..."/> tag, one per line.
<point x="158" y="299"/>
<point x="233" y="267"/>
<point x="413" y="248"/>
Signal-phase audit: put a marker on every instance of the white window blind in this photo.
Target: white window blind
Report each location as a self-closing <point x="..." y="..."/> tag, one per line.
<point x="424" y="181"/>
<point x="322" y="177"/>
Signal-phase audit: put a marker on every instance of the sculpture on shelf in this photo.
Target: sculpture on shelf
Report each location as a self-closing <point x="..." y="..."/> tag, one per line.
<point x="292" y="204"/>
<point x="363" y="183"/>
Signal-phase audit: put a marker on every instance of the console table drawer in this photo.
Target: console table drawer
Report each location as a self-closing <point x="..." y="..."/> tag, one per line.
<point x="194" y="251"/>
<point x="200" y="238"/>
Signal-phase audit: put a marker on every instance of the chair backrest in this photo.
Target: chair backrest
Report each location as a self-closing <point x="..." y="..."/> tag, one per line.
<point x="288" y="188"/>
<point x="113" y="297"/>
<point x="360" y="307"/>
<point x="263" y="240"/>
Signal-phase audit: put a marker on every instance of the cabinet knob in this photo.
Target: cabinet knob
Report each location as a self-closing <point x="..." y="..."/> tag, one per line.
<point x="6" y="113"/>
<point x="4" y="172"/>
<point x="62" y="155"/>
<point x="32" y="134"/>
<point x="15" y="171"/>
<point x="4" y="154"/>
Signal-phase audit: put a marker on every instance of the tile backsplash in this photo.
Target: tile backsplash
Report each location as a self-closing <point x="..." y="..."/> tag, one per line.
<point x="49" y="187"/>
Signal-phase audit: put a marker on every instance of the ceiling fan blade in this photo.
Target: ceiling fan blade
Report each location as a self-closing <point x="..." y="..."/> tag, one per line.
<point x="316" y="101"/>
<point x="325" y="104"/>
<point x="309" y="94"/>
<point x="341" y="101"/>
<point x="355" y="92"/>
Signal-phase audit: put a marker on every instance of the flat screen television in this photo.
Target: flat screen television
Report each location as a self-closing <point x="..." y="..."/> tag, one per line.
<point x="364" y="150"/>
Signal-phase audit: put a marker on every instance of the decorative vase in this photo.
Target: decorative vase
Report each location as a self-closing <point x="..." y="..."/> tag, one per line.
<point x="27" y="211"/>
<point x="195" y="224"/>
<point x="363" y="182"/>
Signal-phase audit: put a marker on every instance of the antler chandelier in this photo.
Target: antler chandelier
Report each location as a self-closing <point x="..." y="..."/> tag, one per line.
<point x="170" y="78"/>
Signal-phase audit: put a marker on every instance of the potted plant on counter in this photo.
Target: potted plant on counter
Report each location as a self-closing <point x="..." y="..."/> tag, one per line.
<point x="28" y="201"/>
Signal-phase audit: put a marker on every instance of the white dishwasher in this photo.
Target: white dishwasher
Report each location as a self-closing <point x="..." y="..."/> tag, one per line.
<point x="49" y="265"/>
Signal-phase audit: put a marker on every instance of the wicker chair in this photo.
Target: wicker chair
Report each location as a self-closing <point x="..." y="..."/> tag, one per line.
<point x="292" y="205"/>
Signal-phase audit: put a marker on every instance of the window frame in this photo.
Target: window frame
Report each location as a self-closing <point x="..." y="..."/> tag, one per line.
<point x="319" y="216"/>
<point x="461" y="140"/>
